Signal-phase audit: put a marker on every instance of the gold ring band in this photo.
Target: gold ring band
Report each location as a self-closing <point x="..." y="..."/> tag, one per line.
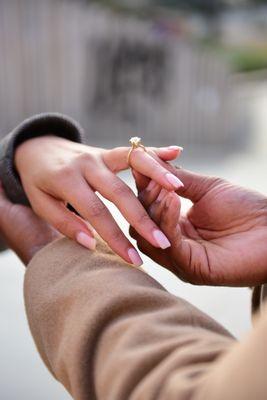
<point x="135" y="143"/>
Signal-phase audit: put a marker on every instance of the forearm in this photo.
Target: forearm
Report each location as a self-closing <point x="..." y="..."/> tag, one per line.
<point x="38" y="125"/>
<point x="109" y="331"/>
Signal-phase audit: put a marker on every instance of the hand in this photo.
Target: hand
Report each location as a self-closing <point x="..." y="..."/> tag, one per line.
<point x="56" y="172"/>
<point x="22" y="230"/>
<point x="222" y="240"/>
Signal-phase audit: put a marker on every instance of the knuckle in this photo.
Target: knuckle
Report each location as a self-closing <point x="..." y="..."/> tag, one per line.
<point x="65" y="172"/>
<point x="117" y="236"/>
<point x="143" y="219"/>
<point x="120" y="189"/>
<point x="97" y="209"/>
<point x="64" y="226"/>
<point x="84" y="157"/>
<point x="217" y="181"/>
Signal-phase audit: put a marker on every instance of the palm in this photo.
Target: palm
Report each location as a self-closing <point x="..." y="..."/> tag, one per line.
<point x="224" y="237"/>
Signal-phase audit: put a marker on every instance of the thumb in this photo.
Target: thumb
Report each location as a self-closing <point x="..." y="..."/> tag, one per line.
<point x="195" y="185"/>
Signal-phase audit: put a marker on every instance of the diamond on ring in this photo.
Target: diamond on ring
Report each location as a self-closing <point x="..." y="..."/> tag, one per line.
<point x="135" y="141"/>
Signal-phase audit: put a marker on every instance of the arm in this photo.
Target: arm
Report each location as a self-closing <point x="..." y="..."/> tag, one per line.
<point x="109" y="331"/>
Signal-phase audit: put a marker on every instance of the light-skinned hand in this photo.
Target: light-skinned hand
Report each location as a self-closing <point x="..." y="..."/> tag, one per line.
<point x="55" y="172"/>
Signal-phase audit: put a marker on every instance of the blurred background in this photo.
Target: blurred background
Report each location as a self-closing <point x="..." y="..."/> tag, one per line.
<point x="190" y="73"/>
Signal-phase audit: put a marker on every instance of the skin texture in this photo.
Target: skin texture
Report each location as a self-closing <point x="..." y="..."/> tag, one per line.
<point x="222" y="238"/>
<point x="22" y="230"/>
<point x="55" y="172"/>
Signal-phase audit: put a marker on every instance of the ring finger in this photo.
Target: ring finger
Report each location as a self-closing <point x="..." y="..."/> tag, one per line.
<point x="122" y="196"/>
<point x="91" y="208"/>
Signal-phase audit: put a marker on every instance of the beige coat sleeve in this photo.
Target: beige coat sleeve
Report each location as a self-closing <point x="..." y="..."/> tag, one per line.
<point x="108" y="331"/>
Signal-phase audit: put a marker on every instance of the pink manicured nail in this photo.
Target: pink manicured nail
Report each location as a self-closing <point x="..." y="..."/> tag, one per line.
<point x="151" y="185"/>
<point x="161" y="239"/>
<point x="86" y="240"/>
<point x="134" y="257"/>
<point x="174" y="181"/>
<point x="176" y="148"/>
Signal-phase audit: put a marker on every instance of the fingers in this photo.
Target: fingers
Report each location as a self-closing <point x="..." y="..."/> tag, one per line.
<point x="170" y="215"/>
<point x="145" y="162"/>
<point x="65" y="221"/>
<point x="156" y="255"/>
<point x="141" y="181"/>
<point x="156" y="208"/>
<point x="181" y="249"/>
<point x="195" y="185"/>
<point x="122" y="196"/>
<point x="117" y="159"/>
<point x="165" y="211"/>
<point x="167" y="153"/>
<point x="148" y="166"/>
<point x="91" y="208"/>
<point x="149" y="194"/>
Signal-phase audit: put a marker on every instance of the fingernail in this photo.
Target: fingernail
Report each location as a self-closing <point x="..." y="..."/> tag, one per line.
<point x="162" y="193"/>
<point x="176" y="148"/>
<point x="161" y="239"/>
<point x="134" y="257"/>
<point x="151" y="185"/>
<point x="174" y="181"/>
<point x="86" y="240"/>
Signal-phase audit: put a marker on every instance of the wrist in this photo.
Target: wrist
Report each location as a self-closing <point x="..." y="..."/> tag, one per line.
<point x="23" y="151"/>
<point x="56" y="124"/>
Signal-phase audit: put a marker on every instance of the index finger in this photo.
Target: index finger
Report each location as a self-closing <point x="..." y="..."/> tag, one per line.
<point x="148" y="166"/>
<point x="148" y="163"/>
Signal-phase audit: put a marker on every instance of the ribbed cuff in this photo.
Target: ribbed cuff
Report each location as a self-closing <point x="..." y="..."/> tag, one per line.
<point x="39" y="125"/>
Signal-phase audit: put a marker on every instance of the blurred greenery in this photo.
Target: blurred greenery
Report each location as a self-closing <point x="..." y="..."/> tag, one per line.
<point x="241" y="59"/>
<point x="202" y="6"/>
<point x="246" y="60"/>
<point x="210" y="7"/>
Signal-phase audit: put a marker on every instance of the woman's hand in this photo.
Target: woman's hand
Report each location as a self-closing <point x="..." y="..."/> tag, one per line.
<point x="56" y="172"/>
<point x="222" y="238"/>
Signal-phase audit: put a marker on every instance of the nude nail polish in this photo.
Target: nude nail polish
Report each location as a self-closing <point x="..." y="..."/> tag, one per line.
<point x="86" y="240"/>
<point x="161" y="239"/>
<point x="176" y="148"/>
<point x="134" y="257"/>
<point x="174" y="181"/>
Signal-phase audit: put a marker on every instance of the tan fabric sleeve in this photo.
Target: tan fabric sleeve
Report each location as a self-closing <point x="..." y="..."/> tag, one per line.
<point x="108" y="331"/>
